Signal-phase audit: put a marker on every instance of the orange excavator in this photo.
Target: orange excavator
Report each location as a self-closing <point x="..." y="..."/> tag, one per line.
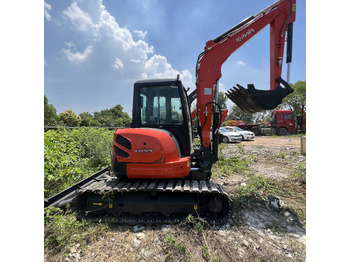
<point x="157" y="175"/>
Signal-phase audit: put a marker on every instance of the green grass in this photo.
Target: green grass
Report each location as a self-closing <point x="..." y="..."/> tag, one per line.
<point x="230" y="165"/>
<point x="258" y="187"/>
<point x="63" y="230"/>
<point x="299" y="173"/>
<point x="227" y="166"/>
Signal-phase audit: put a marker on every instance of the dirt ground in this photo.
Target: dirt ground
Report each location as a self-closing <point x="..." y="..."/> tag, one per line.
<point x="273" y="141"/>
<point x="255" y="232"/>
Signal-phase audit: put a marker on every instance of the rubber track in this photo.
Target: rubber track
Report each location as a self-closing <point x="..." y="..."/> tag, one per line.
<point x="113" y="185"/>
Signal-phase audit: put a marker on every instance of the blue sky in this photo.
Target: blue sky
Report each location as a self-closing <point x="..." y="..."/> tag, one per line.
<point x="95" y="50"/>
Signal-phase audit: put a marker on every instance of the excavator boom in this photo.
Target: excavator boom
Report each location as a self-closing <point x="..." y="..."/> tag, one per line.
<point x="279" y="16"/>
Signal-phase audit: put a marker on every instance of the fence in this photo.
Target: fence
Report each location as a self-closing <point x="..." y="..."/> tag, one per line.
<point x="46" y="128"/>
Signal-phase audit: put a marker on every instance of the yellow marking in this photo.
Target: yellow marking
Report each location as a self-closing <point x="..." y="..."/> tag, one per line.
<point x="97" y="204"/>
<point x="293" y="7"/>
<point x="195" y="207"/>
<point x="110" y="205"/>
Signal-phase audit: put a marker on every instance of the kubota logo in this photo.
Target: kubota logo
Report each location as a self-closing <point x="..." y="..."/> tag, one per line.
<point x="144" y="150"/>
<point x="240" y="38"/>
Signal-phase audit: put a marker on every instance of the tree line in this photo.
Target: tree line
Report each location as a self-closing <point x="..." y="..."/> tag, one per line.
<point x="113" y="117"/>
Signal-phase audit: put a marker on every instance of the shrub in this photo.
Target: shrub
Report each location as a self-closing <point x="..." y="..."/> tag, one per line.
<point x="70" y="156"/>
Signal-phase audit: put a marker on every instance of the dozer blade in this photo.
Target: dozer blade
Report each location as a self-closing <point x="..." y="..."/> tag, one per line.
<point x="251" y="100"/>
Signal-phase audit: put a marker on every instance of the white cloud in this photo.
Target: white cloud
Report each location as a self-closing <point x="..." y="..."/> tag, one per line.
<point x="135" y="61"/>
<point x="158" y="67"/>
<point x="240" y="63"/>
<point x="118" y="64"/>
<point x="80" y="19"/>
<point x="114" y="47"/>
<point x="47" y="7"/>
<point x="222" y="87"/>
<point x="186" y="79"/>
<point x="140" y="33"/>
<point x="76" y="57"/>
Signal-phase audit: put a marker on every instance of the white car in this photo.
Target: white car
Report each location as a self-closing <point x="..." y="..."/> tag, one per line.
<point x="229" y="136"/>
<point x="246" y="135"/>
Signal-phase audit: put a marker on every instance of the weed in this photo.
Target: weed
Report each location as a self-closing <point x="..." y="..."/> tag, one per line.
<point x="169" y="255"/>
<point x="300" y="213"/>
<point x="275" y="227"/>
<point x="199" y="228"/>
<point x="198" y="225"/>
<point x="49" y="212"/>
<point x="202" y="236"/>
<point x="197" y="142"/>
<point x="175" y="247"/>
<point x="62" y="230"/>
<point x="281" y="155"/>
<point x="230" y="165"/>
<point x="297" y="248"/>
<point x="299" y="173"/>
<point x="170" y="239"/>
<point x="189" y="218"/>
<point x="205" y="252"/>
<point x="222" y="146"/>
<point x="240" y="148"/>
<point x="257" y="187"/>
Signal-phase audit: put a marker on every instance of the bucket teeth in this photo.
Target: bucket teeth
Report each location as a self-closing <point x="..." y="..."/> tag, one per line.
<point x="251" y="100"/>
<point x="242" y="99"/>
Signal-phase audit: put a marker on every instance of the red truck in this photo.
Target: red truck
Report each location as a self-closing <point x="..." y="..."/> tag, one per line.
<point x="282" y="123"/>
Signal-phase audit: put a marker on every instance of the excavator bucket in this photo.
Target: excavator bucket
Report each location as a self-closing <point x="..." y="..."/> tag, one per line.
<point x="251" y="100"/>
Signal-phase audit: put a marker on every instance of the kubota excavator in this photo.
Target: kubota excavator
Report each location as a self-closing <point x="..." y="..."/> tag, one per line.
<point x="157" y="174"/>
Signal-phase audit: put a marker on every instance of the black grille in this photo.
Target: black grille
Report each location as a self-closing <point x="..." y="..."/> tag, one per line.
<point x="123" y="141"/>
<point x="120" y="152"/>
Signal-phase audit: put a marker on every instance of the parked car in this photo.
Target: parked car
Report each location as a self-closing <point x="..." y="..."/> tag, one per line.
<point x="246" y="135"/>
<point x="226" y="135"/>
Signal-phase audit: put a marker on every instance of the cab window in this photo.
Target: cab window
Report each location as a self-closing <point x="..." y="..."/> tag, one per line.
<point x="160" y="105"/>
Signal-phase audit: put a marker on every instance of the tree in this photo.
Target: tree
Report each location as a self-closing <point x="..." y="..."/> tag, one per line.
<point x="222" y="99"/>
<point x="235" y="113"/>
<point x="50" y="114"/>
<point x="69" y="118"/>
<point x="88" y="120"/>
<point x="113" y="117"/>
<point x="296" y="102"/>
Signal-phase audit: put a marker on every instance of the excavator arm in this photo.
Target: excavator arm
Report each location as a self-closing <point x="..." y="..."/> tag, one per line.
<point x="280" y="17"/>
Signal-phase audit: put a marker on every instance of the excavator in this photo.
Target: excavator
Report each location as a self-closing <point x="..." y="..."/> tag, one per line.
<point x="157" y="175"/>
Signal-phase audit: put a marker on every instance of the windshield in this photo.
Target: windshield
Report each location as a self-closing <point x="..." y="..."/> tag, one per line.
<point x="160" y="105"/>
<point x="238" y="129"/>
<point x="223" y="130"/>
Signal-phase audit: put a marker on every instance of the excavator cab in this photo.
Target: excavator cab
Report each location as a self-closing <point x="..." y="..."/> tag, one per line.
<point x="162" y="104"/>
<point x="251" y="100"/>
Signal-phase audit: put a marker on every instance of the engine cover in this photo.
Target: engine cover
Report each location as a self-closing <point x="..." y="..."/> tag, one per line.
<point x="147" y="153"/>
